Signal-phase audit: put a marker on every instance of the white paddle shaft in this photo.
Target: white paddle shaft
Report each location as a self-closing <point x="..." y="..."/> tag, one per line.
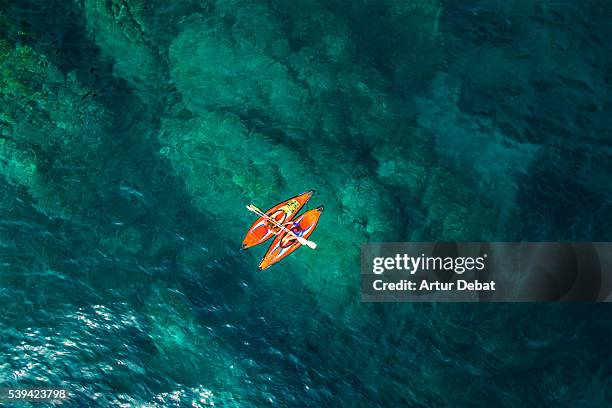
<point x="301" y="240"/>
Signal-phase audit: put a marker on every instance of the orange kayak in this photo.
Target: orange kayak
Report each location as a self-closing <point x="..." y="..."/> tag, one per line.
<point x="262" y="230"/>
<point x="285" y="243"/>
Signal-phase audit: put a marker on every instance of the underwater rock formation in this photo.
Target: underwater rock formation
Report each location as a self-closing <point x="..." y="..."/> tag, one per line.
<point x="46" y="118"/>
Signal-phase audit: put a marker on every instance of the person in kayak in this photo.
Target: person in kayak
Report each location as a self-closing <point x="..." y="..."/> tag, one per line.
<point x="281" y="215"/>
<point x="289" y="239"/>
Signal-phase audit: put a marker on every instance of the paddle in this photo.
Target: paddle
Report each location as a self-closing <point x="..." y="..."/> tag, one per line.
<point x="301" y="240"/>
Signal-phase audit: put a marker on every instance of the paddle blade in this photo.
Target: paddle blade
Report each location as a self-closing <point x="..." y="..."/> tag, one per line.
<point x="308" y="243"/>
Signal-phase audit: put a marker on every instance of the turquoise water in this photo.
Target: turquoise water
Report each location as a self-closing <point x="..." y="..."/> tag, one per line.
<point x="134" y="132"/>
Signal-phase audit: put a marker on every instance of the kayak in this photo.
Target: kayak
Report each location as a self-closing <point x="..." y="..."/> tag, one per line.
<point x="262" y="229"/>
<point x="285" y="243"/>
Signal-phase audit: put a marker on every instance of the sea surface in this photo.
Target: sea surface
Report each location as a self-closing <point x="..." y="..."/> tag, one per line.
<point x="134" y="132"/>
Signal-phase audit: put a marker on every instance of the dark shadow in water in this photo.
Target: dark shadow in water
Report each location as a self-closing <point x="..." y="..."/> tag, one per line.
<point x="553" y="206"/>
